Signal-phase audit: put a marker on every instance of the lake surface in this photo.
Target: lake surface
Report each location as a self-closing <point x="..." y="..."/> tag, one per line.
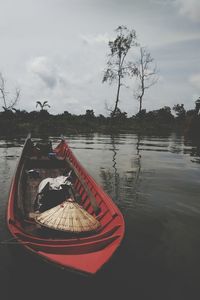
<point x="155" y="181"/>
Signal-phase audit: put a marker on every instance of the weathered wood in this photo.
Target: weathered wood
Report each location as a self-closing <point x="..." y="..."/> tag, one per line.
<point x="91" y="196"/>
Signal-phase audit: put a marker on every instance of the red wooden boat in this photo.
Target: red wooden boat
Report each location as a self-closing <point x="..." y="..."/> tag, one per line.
<point x="82" y="253"/>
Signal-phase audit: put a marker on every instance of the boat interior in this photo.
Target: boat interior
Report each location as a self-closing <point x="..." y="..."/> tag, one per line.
<point x="45" y="168"/>
<point x="85" y="189"/>
<point x="28" y="189"/>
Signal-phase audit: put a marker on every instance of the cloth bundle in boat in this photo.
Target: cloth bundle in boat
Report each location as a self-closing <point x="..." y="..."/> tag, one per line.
<point x="54" y="183"/>
<point x="51" y="192"/>
<point x="68" y="216"/>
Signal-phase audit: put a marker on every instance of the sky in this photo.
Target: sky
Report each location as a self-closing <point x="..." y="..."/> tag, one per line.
<point x="56" y="51"/>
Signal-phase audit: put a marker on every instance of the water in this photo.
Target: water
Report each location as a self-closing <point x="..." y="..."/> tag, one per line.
<point x="155" y="181"/>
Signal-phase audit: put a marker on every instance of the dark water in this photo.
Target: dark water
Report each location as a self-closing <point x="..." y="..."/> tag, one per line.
<point x="155" y="181"/>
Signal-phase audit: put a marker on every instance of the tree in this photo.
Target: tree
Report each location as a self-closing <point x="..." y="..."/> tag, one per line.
<point x="164" y="114"/>
<point x="20" y="113"/>
<point x="42" y="105"/>
<point x="197" y="105"/>
<point x="66" y="113"/>
<point x="141" y="114"/>
<point x="146" y="74"/>
<point x="119" y="115"/>
<point x="89" y="114"/>
<point x="180" y="111"/>
<point x="8" y="104"/>
<point x="117" y="66"/>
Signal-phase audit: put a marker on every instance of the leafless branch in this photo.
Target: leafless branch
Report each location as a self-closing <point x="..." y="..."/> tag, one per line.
<point x="8" y="104"/>
<point x="107" y="108"/>
<point x="146" y="73"/>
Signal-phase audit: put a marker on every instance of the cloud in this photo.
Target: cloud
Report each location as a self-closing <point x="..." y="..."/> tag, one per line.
<point x="195" y="80"/>
<point x="64" y="82"/>
<point x="45" y="69"/>
<point x="189" y="8"/>
<point x="69" y="54"/>
<point x="97" y="39"/>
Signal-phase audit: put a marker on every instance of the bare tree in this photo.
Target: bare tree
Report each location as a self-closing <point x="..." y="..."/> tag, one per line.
<point x="197" y="106"/>
<point x="146" y="74"/>
<point x="42" y="105"/>
<point x="117" y="67"/>
<point x="8" y="104"/>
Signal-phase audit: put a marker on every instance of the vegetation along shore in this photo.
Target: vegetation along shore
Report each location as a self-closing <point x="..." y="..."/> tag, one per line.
<point x="20" y="122"/>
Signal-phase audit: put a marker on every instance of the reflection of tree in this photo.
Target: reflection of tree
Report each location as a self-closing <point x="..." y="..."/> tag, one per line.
<point x="122" y="185"/>
<point x="5" y="167"/>
<point x="9" y="155"/>
<point x="89" y="136"/>
<point x="5" y="156"/>
<point x="138" y="159"/>
<point x="175" y="143"/>
<point x="111" y="180"/>
<point x="116" y="175"/>
<point x="194" y="149"/>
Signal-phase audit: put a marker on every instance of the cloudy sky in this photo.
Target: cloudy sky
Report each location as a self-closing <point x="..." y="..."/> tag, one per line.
<point x="56" y="50"/>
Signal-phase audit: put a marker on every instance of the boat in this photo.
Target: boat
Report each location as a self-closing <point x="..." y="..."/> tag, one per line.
<point x="85" y="253"/>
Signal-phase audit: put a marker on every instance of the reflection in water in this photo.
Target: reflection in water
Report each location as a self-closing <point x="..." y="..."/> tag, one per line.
<point x="138" y="159"/>
<point x="116" y="175"/>
<point x="111" y="179"/>
<point x="122" y="185"/>
<point x="193" y="148"/>
<point x="175" y="144"/>
<point x="5" y="166"/>
<point x="156" y="186"/>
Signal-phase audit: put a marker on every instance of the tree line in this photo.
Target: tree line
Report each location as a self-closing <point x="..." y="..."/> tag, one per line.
<point x="165" y="119"/>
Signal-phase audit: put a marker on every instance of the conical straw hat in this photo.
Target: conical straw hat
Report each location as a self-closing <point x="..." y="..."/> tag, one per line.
<point x="68" y="216"/>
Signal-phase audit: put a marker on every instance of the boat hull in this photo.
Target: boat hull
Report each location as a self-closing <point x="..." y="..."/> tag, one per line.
<point x="82" y="254"/>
